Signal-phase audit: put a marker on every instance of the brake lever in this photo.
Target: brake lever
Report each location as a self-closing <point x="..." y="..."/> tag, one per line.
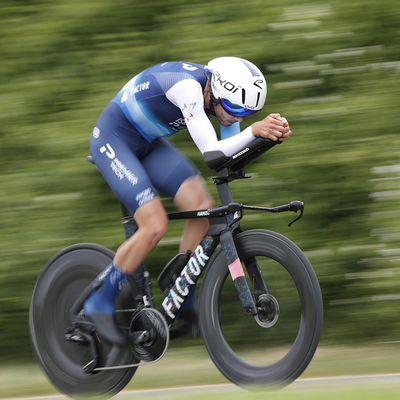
<point x="293" y="206"/>
<point x="296" y="206"/>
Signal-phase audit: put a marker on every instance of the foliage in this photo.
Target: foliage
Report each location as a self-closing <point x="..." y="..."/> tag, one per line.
<point x="333" y="72"/>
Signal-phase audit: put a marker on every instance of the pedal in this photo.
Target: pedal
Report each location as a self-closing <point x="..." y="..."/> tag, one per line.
<point x="79" y="337"/>
<point x="76" y="338"/>
<point x="140" y="337"/>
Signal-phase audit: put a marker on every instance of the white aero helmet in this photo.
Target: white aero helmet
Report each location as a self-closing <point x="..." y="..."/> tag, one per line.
<point x="238" y="85"/>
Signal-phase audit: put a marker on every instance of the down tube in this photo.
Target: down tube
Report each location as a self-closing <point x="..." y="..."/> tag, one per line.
<point x="187" y="279"/>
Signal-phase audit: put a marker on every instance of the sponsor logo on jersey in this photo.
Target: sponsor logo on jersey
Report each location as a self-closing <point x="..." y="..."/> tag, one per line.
<point x="140" y="87"/>
<point x="120" y="170"/>
<point x="144" y="196"/>
<point x="110" y="153"/>
<point x="187" y="111"/>
<point x="178" y="124"/>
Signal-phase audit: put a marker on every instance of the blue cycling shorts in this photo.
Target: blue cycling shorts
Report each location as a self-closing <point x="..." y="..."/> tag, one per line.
<point x="133" y="167"/>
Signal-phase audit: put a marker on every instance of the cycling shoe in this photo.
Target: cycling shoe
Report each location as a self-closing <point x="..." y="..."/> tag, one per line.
<point x="108" y="330"/>
<point x="102" y="314"/>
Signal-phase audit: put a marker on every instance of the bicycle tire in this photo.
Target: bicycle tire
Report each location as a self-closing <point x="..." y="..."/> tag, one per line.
<point x="246" y="353"/>
<point x="65" y="276"/>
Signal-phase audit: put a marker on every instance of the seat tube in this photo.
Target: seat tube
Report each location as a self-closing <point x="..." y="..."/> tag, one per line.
<point x="237" y="272"/>
<point x="224" y="193"/>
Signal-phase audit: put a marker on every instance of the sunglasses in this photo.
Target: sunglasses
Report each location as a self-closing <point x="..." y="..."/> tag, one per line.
<point x="235" y="110"/>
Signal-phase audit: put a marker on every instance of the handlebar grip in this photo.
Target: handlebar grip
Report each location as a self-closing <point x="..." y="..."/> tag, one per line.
<point x="296" y="205"/>
<point x="284" y="208"/>
<point x="293" y="206"/>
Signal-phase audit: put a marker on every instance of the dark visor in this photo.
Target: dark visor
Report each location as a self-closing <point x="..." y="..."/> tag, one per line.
<point x="235" y="110"/>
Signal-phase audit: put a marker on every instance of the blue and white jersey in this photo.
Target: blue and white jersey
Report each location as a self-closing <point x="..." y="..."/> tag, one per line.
<point x="144" y="99"/>
<point x="169" y="97"/>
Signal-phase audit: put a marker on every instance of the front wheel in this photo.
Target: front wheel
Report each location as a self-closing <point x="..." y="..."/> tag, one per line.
<point x="62" y="281"/>
<point x="276" y="346"/>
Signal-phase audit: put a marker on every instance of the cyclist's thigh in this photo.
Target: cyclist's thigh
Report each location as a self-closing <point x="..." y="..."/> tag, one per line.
<point x="122" y="169"/>
<point x="193" y="194"/>
<point x="167" y="167"/>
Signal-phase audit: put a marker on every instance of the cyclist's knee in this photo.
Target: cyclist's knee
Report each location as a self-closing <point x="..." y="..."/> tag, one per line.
<point x="152" y="221"/>
<point x="157" y="229"/>
<point x="203" y="200"/>
<point x="206" y="202"/>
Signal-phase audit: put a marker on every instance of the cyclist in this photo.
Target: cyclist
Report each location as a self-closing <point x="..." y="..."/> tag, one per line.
<point x="130" y="149"/>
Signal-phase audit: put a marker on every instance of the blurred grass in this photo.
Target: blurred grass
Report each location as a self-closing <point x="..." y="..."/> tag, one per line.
<point x="192" y="367"/>
<point x="334" y="392"/>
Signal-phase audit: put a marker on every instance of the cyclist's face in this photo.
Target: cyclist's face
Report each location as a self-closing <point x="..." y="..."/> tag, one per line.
<point x="224" y="118"/>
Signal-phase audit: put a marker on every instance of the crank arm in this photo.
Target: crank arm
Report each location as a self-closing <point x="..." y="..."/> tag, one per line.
<point x="85" y="339"/>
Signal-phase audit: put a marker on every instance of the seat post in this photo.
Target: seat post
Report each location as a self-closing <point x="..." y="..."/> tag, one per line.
<point x="224" y="192"/>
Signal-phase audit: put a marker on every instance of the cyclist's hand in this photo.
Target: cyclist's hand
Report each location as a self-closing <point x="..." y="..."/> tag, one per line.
<point x="272" y="127"/>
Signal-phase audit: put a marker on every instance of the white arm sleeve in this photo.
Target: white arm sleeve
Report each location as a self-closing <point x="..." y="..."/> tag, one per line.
<point x="188" y="96"/>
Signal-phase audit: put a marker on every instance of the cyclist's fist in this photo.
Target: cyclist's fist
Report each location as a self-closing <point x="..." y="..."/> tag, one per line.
<point x="272" y="127"/>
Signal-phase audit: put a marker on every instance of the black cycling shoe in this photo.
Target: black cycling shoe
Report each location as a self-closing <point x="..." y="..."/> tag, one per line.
<point x="108" y="330"/>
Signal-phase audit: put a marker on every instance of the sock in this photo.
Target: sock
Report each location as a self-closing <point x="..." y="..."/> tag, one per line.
<point x="102" y="300"/>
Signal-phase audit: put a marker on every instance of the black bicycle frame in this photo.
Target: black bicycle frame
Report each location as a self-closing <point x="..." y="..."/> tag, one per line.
<point x="222" y="223"/>
<point x="224" y="220"/>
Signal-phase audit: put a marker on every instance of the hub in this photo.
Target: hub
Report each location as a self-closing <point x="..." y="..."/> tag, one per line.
<point x="268" y="311"/>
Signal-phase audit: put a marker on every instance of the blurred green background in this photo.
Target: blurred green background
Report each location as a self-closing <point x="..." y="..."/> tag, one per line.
<point x="333" y="70"/>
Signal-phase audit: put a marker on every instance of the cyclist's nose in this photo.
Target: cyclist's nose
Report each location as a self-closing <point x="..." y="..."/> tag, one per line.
<point x="239" y="119"/>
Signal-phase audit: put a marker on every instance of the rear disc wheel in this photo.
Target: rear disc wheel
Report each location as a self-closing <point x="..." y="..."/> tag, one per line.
<point x="62" y="281"/>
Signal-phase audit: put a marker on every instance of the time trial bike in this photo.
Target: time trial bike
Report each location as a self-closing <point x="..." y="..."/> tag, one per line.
<point x="260" y="304"/>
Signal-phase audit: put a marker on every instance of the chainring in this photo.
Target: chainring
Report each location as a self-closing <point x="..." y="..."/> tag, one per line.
<point x="154" y="324"/>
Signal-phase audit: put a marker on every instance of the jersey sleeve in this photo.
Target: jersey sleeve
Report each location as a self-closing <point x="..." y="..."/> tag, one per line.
<point x="187" y="94"/>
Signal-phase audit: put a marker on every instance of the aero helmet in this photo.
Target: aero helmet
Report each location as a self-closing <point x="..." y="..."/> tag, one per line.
<point x="238" y="85"/>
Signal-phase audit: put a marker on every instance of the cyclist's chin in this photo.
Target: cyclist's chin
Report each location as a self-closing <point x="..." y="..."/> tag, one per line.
<point x="227" y="123"/>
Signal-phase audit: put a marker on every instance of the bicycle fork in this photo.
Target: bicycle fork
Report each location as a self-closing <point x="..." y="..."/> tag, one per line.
<point x="236" y="269"/>
<point x="237" y="272"/>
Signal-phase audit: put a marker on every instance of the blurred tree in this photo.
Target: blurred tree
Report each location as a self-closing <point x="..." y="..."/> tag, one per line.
<point x="332" y="70"/>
